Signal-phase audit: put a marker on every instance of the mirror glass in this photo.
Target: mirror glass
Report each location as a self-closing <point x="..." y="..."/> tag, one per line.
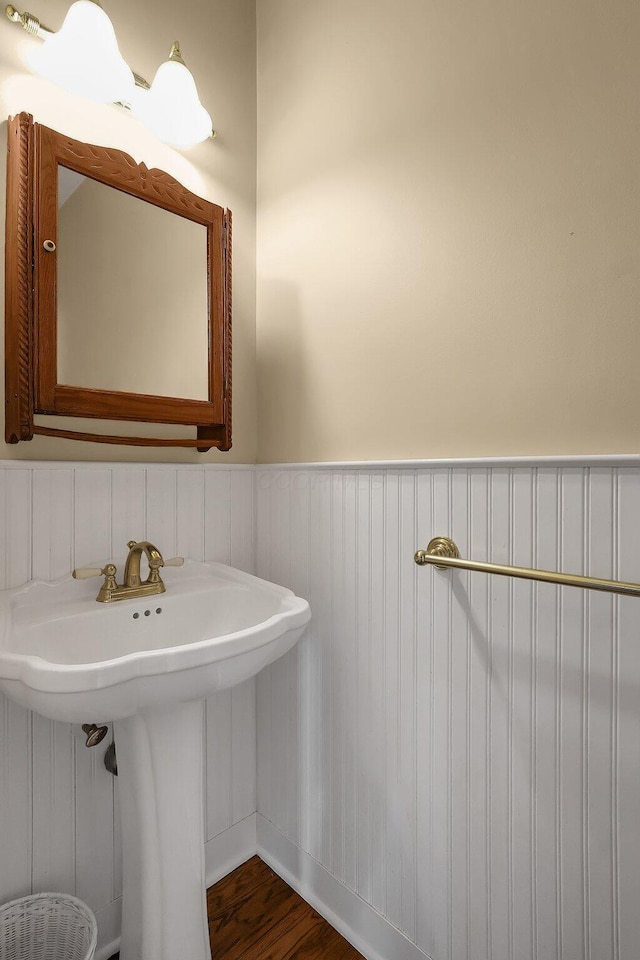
<point x="132" y="293"/>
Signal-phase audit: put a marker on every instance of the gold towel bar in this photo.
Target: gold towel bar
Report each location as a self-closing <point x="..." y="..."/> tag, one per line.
<point x="443" y="553"/>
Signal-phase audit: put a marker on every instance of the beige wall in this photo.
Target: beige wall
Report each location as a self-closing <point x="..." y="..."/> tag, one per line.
<point x="448" y="228"/>
<point x="218" y="43"/>
<point x="448" y="239"/>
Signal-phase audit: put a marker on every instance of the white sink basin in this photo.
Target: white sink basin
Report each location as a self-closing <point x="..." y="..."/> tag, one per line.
<point x="73" y="659"/>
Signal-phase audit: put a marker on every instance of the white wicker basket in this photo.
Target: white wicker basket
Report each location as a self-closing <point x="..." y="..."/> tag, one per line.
<point x="47" y="926"/>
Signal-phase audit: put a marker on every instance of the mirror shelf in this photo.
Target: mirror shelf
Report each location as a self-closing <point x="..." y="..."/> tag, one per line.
<point x="85" y="283"/>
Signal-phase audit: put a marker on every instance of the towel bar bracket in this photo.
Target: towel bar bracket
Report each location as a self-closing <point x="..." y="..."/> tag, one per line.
<point x="438" y="547"/>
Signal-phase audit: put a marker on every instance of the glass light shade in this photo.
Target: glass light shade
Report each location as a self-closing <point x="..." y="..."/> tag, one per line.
<point x="171" y="108"/>
<point x="83" y="56"/>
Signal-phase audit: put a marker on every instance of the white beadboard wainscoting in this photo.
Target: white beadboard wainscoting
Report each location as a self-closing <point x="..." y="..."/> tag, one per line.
<point x="454" y="755"/>
<point x="59" y="828"/>
<point x="448" y="764"/>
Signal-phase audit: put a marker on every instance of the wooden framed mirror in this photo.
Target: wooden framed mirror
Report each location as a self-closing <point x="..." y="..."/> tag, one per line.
<point x="118" y="295"/>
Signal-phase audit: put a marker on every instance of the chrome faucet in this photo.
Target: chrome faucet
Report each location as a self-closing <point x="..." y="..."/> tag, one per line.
<point x="133" y="586"/>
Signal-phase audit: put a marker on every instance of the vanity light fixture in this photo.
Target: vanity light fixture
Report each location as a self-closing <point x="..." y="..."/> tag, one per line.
<point x="171" y="107"/>
<point x="83" y="58"/>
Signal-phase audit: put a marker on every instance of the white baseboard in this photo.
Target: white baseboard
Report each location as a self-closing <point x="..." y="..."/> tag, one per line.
<point x="356" y="920"/>
<point x="229" y="849"/>
<point x="108" y="950"/>
<point x="109" y="921"/>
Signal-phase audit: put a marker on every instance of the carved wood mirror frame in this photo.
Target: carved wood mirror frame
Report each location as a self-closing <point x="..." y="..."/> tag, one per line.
<point x="33" y="155"/>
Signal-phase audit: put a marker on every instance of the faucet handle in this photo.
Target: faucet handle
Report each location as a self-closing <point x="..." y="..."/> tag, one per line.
<point x="83" y="573"/>
<point x="174" y="562"/>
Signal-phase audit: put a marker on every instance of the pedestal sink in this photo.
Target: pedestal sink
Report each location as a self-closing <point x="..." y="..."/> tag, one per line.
<point x="148" y="664"/>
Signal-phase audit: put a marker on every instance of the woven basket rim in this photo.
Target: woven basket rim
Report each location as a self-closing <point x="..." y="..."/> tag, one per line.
<point x="53" y="897"/>
<point x="48" y="895"/>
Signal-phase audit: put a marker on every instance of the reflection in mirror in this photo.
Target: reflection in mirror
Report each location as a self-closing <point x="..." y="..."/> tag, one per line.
<point x="132" y="293"/>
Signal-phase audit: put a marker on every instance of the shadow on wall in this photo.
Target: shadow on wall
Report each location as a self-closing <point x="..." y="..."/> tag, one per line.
<point x="518" y="655"/>
<point x="283" y="370"/>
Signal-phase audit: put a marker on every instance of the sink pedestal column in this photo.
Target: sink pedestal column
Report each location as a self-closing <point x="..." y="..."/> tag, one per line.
<point x="160" y="767"/>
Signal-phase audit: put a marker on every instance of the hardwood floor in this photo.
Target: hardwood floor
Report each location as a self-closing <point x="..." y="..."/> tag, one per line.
<point x="254" y="915"/>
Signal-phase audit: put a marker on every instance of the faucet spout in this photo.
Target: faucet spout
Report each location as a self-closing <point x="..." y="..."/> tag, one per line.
<point x="132" y="566"/>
